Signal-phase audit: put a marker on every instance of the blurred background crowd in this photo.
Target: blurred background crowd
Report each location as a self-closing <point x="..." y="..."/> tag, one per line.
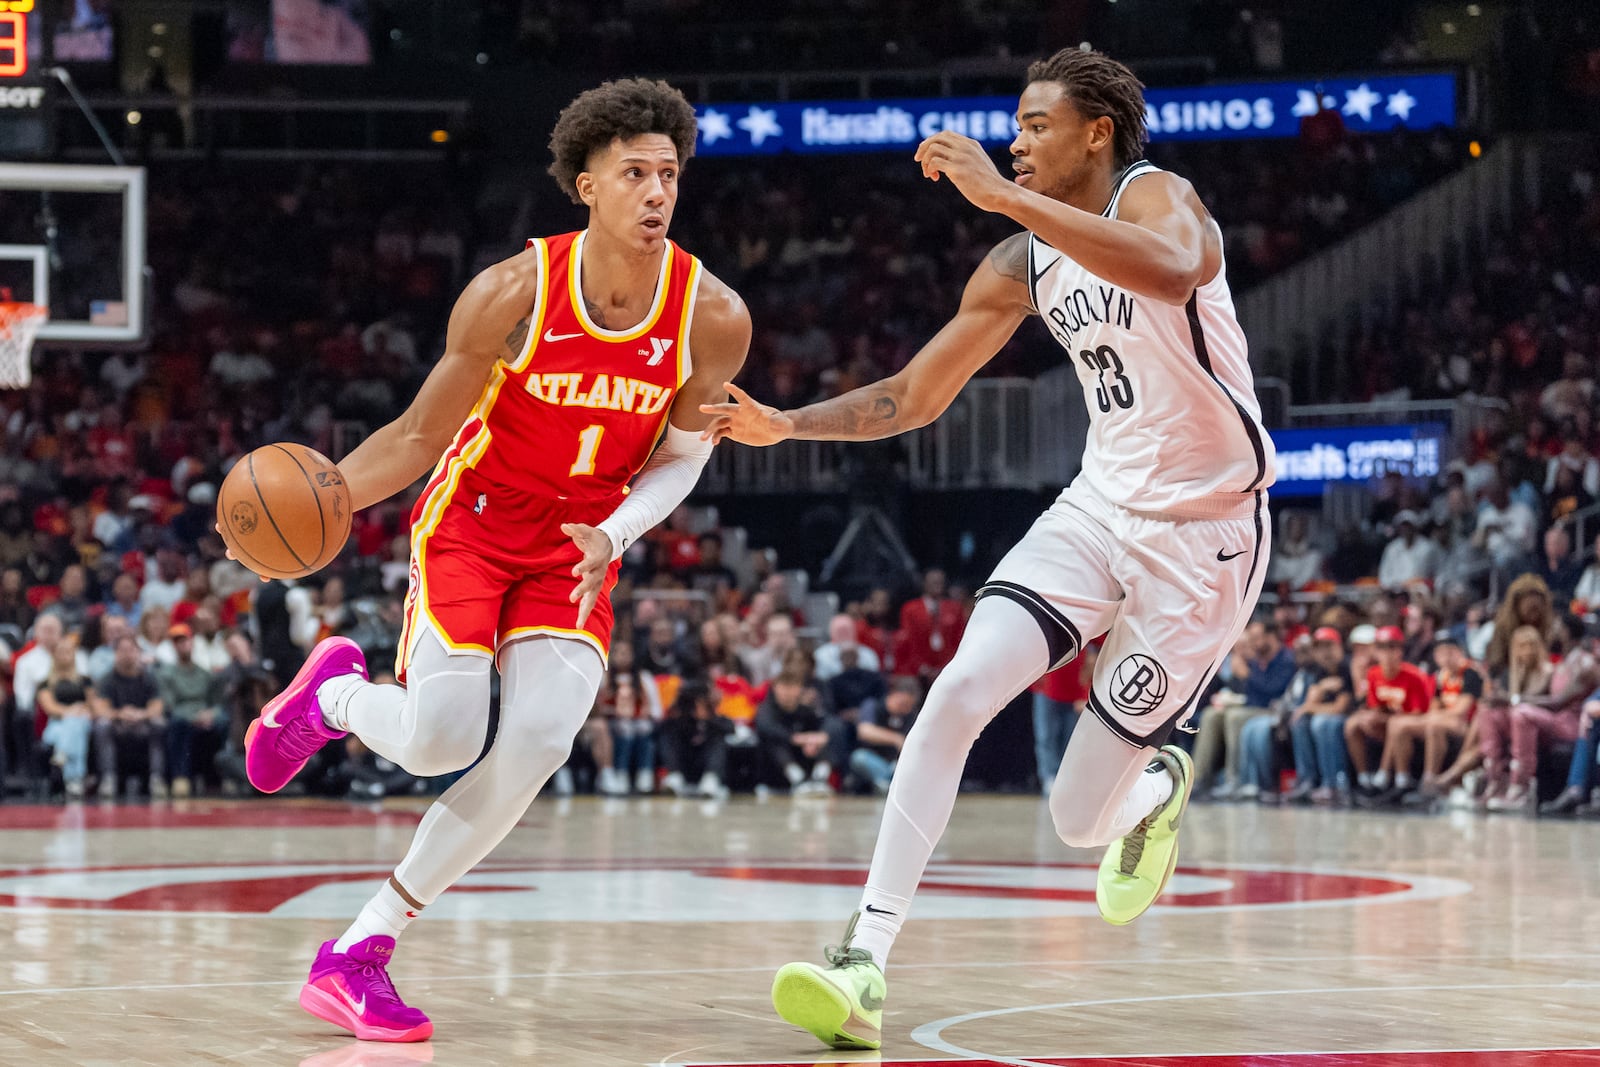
<point x="1433" y="646"/>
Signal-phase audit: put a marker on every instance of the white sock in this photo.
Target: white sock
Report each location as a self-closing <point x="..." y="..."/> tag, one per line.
<point x="1402" y="781"/>
<point x="794" y="774"/>
<point x="881" y="916"/>
<point x="387" y="913"/>
<point x="1150" y="790"/>
<point x="1381" y="780"/>
<point x="1002" y="651"/>
<point x="333" y="698"/>
<point x="1364" y="779"/>
<point x="822" y="771"/>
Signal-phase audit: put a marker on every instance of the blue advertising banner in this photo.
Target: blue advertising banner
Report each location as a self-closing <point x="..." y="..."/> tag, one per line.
<point x="1213" y="112"/>
<point x="1308" y="460"/>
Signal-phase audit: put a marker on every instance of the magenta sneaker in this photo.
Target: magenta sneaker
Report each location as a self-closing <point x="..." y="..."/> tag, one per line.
<point x="290" y="728"/>
<point x="352" y="990"/>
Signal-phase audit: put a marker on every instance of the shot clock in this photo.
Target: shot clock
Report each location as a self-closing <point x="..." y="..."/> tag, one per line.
<point x="24" y="88"/>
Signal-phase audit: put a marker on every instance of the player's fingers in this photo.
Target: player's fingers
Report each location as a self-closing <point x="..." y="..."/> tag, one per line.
<point x="587" y="605"/>
<point x="740" y="395"/>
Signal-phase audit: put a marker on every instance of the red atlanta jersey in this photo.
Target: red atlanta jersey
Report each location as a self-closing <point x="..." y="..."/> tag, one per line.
<point x="579" y="411"/>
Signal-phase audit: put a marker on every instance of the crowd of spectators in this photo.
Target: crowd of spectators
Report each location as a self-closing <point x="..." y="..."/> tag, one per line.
<point x="309" y="302"/>
<point x="1387" y="707"/>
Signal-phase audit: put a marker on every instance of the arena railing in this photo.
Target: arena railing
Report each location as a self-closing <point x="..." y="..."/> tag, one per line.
<point x="1338" y="293"/>
<point x="984" y="440"/>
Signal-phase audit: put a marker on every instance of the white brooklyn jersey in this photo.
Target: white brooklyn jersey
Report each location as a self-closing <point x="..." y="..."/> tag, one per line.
<point x="1173" y="416"/>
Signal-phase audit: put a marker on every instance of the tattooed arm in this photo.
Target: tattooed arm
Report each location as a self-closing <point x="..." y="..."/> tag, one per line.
<point x="994" y="304"/>
<point x="489" y="323"/>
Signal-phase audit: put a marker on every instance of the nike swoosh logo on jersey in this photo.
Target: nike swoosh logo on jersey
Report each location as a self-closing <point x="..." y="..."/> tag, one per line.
<point x="1221" y="558"/>
<point x="357" y="1006"/>
<point x="550" y="336"/>
<point x="1034" y="276"/>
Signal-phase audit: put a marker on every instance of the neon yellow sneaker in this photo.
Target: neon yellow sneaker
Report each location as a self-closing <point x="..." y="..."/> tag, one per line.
<point x="842" y="1004"/>
<point x="1136" y="867"/>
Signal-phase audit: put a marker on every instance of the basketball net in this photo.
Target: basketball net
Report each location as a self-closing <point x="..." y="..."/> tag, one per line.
<point x="19" y="325"/>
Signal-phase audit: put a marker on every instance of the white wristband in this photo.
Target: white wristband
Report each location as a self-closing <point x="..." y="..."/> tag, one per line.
<point x="662" y="484"/>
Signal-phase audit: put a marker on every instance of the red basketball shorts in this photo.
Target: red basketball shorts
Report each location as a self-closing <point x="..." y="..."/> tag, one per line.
<point x="490" y="566"/>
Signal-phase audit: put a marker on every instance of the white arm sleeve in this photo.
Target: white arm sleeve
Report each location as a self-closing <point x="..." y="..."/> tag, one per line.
<point x="667" y="477"/>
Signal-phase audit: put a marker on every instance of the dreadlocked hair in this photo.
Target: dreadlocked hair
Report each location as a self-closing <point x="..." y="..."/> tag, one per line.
<point x="617" y="109"/>
<point x="1098" y="85"/>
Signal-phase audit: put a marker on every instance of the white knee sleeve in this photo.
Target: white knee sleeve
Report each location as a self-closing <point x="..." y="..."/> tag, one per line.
<point x="549" y="685"/>
<point x="436" y="724"/>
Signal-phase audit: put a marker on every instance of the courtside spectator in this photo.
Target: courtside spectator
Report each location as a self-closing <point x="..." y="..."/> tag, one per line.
<point x="1513" y="734"/>
<point x="1316" y="727"/>
<point x="192" y="696"/>
<point x="1260" y="676"/>
<point x="128" y="710"/>
<point x="694" y="744"/>
<point x="881" y="733"/>
<point x="65" y="698"/>
<point x="1394" y="687"/>
<point x="794" y="736"/>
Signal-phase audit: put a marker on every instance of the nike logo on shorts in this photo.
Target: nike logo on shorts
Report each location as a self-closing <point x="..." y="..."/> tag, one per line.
<point x="550" y="336"/>
<point x="1223" y="558"/>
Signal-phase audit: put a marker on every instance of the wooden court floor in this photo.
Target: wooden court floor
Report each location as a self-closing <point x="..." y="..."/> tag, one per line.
<point x="645" y="932"/>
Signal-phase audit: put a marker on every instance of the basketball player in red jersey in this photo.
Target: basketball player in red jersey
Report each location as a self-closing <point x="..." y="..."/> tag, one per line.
<point x="568" y="371"/>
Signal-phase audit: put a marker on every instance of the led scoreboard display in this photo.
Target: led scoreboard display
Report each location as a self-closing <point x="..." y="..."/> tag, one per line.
<point x="18" y="31"/>
<point x="24" y="92"/>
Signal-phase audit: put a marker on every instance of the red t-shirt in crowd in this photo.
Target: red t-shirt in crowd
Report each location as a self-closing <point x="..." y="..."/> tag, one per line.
<point x="1066" y="683"/>
<point x="1410" y="689"/>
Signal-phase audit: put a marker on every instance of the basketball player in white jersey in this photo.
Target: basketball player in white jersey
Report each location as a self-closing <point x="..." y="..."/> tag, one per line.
<point x="1160" y="543"/>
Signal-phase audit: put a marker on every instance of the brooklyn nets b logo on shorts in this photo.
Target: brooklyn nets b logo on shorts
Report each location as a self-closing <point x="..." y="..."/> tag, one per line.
<point x="1138" y="685"/>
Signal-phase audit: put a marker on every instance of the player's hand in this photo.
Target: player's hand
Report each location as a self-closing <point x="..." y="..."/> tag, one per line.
<point x="746" y="420"/>
<point x="591" y="569"/>
<point x="229" y="552"/>
<point x="966" y="163"/>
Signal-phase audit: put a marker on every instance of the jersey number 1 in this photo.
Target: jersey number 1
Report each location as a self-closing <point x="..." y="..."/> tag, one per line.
<point x="588" y="445"/>
<point x="1120" y="389"/>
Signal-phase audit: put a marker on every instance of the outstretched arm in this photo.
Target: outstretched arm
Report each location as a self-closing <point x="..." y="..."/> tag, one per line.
<point x="489" y="322"/>
<point x="994" y="304"/>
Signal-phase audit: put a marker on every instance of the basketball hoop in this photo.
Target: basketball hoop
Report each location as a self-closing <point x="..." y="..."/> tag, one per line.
<point x="19" y="324"/>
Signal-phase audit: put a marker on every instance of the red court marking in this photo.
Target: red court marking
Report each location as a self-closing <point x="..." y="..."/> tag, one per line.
<point x="270" y="889"/>
<point x="1538" y="1058"/>
<point x="203" y="815"/>
<point x="1247" y="886"/>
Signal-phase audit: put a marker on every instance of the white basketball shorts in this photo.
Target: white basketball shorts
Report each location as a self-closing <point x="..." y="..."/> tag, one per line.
<point x="1172" y="593"/>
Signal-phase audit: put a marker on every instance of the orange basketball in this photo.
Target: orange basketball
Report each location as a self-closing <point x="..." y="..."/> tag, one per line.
<point x="284" y="511"/>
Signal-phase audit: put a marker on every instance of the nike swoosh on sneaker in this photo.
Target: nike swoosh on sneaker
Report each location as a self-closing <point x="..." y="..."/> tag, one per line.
<point x="870" y="1002"/>
<point x="269" y="719"/>
<point x="357" y="1006"/>
<point x="550" y="336"/>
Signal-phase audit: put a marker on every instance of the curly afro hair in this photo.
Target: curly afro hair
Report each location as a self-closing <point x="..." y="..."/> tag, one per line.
<point x="1099" y="85"/>
<point x="624" y="108"/>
